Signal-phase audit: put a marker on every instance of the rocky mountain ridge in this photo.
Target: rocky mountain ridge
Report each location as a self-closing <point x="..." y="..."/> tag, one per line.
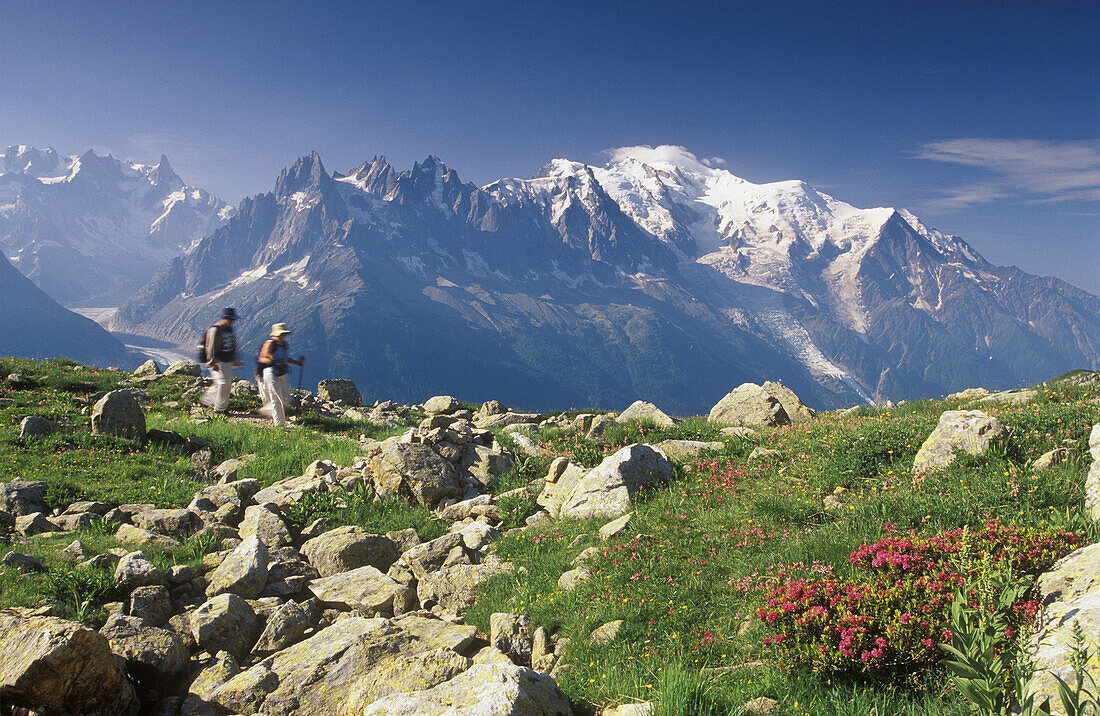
<point x="91" y="229"/>
<point x="654" y="276"/>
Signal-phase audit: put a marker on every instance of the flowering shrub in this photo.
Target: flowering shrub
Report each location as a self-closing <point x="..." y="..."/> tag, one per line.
<point x="894" y="614"/>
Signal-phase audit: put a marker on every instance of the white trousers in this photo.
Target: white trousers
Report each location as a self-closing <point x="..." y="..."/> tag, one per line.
<point x="276" y="395"/>
<point x="217" y="395"/>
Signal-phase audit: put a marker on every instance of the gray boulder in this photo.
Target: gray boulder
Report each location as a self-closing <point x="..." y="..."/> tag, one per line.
<point x="149" y="367"/>
<point x="225" y="623"/>
<point x="1070" y="594"/>
<point x="561" y="478"/>
<point x="1092" y="481"/>
<point x="34" y="524"/>
<point x="347" y="548"/>
<point x="174" y="523"/>
<point x="969" y="431"/>
<point x="792" y="405"/>
<point x="151" y="604"/>
<point x="35" y="427"/>
<point x="454" y="589"/>
<point x="49" y="665"/>
<point x="364" y="589"/>
<point x="243" y="572"/>
<point x="135" y="570"/>
<point x="606" y="489"/>
<point x="21" y="497"/>
<point x="184" y="368"/>
<point x="415" y="472"/>
<point x="749" y="404"/>
<point x="152" y="655"/>
<point x="339" y="389"/>
<point x="483" y="690"/>
<point x="681" y="450"/>
<point x="119" y="413"/>
<point x="641" y="410"/>
<point x="441" y="405"/>
<point x="511" y="634"/>
<point x="286" y="626"/>
<point x="263" y="522"/>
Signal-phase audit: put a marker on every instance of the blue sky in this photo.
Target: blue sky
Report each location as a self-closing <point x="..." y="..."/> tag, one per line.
<point x="982" y="117"/>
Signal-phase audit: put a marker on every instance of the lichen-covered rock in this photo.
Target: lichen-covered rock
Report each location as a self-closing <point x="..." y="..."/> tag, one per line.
<point x="364" y="589"/>
<point x="135" y="570"/>
<point x="262" y="522"/>
<point x="1069" y="593"/>
<point x="149" y="367"/>
<point x="792" y="404"/>
<point x="135" y="535"/>
<point x="483" y="690"/>
<point x="511" y="633"/>
<point x="441" y="405"/>
<point x="681" y="450"/>
<point x="561" y="478"/>
<point x="174" y="523"/>
<point x="346" y="548"/>
<point x="152" y="655"/>
<point x="455" y="588"/>
<point x="416" y="472"/>
<point x="119" y="413"/>
<point x="605" y="491"/>
<point x="201" y="691"/>
<point x="59" y="667"/>
<point x="151" y="604"/>
<point x="969" y="431"/>
<point x="343" y="389"/>
<point x="35" y="427"/>
<point x="20" y="497"/>
<point x="243" y="572"/>
<point x="339" y="670"/>
<point x="1092" y="482"/>
<point x="33" y="524"/>
<point x="225" y="623"/>
<point x="749" y="404"/>
<point x="641" y="410"/>
<point x="286" y="626"/>
<point x="185" y="368"/>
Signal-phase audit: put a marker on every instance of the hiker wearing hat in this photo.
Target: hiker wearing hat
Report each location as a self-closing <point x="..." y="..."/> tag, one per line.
<point x="220" y="350"/>
<point x="271" y="369"/>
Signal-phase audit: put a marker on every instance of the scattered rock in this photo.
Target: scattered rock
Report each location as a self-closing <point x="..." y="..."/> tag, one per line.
<point x="641" y="410"/>
<point x="286" y="626"/>
<point x="511" y="633"/>
<point x="35" y="427"/>
<point x="749" y="404"/>
<point x="1054" y="457"/>
<point x="243" y="572"/>
<point x="364" y="589"/>
<point x="149" y="367"/>
<point x="347" y="548"/>
<point x="606" y="490"/>
<point x="135" y="535"/>
<point x="151" y="604"/>
<point x="761" y="705"/>
<point x="615" y="527"/>
<point x="23" y="498"/>
<point x="683" y="450"/>
<point x="441" y="404"/>
<point x="495" y="689"/>
<point x="135" y="570"/>
<point x="49" y="665"/>
<point x="455" y="588"/>
<point x="606" y="633"/>
<point x="971" y="431"/>
<point x="184" y="368"/>
<point x="33" y="524"/>
<point x="792" y="405"/>
<point x="416" y="472"/>
<point x="225" y="623"/>
<point x="339" y="389"/>
<point x="263" y="522"/>
<point x="152" y="655"/>
<point x="23" y="562"/>
<point x="119" y="413"/>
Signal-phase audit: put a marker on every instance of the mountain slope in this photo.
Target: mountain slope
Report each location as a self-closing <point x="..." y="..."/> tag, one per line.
<point x="89" y="230"/>
<point x="33" y="325"/>
<point x="655" y="276"/>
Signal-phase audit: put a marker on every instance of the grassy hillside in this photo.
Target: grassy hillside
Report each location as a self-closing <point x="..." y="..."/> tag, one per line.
<point x="719" y="576"/>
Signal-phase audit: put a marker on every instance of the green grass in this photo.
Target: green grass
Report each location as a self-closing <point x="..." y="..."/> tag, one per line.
<point x="684" y="575"/>
<point x="673" y="575"/>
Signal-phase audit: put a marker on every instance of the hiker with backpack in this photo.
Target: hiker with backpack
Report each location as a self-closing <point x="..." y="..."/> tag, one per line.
<point x="272" y="366"/>
<point x="218" y="350"/>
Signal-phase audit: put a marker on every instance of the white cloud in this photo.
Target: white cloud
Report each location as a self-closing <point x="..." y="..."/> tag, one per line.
<point x="1030" y="169"/>
<point x="664" y="156"/>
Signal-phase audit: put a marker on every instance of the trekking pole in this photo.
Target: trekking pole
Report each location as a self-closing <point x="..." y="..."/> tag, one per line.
<point x="301" y="370"/>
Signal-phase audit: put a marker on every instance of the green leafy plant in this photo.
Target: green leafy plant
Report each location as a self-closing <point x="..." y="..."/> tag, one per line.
<point x="1083" y="698"/>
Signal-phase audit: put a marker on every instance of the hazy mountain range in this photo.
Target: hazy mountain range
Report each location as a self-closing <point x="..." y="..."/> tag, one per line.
<point x="655" y="276"/>
<point x="90" y="230"/>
